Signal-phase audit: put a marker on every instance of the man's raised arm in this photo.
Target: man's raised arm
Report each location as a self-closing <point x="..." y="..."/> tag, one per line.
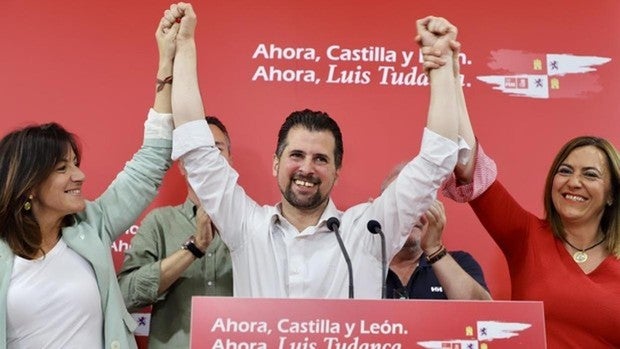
<point x="186" y="100"/>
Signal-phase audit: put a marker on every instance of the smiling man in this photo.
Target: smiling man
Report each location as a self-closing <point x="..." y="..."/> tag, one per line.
<point x="306" y="163"/>
<point x="287" y="250"/>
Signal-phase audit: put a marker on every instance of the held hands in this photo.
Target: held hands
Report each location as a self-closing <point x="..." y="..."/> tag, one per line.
<point x="434" y="221"/>
<point x="432" y="58"/>
<point x="204" y="229"/>
<point x="182" y="14"/>
<point x="437" y="39"/>
<point x="166" y="40"/>
<point x="437" y="33"/>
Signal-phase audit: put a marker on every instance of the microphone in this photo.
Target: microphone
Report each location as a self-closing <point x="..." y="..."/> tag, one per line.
<point x="333" y="224"/>
<point x="375" y="228"/>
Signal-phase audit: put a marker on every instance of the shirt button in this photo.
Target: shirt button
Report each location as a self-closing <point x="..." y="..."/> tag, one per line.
<point x="82" y="236"/>
<point x="210" y="283"/>
<point x="115" y="345"/>
<point x="210" y="254"/>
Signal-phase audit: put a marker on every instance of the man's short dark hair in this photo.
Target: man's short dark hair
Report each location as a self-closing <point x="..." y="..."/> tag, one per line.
<point x="213" y="120"/>
<point x="311" y="121"/>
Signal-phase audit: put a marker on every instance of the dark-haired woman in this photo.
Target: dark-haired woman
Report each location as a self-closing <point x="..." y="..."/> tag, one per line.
<point x="58" y="285"/>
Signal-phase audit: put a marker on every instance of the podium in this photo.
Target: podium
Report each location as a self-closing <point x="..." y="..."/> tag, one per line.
<point x="270" y="323"/>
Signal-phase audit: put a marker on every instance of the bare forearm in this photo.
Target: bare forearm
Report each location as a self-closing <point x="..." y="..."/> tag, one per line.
<point x="456" y="282"/>
<point x="172" y="267"/>
<point x="186" y="100"/>
<point x="163" y="88"/>
<point x="443" y="106"/>
<point x="466" y="131"/>
<point x="464" y="172"/>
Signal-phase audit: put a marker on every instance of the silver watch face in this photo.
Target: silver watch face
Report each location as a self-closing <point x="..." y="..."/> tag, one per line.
<point x="190" y="245"/>
<point x="191" y="240"/>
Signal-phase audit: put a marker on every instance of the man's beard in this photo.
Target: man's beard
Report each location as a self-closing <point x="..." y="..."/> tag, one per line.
<point x="304" y="204"/>
<point x="412" y="243"/>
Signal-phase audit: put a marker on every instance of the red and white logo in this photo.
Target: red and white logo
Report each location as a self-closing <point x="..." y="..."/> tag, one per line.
<point x="544" y="75"/>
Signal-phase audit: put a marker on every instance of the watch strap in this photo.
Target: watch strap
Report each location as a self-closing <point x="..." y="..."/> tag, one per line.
<point x="191" y="247"/>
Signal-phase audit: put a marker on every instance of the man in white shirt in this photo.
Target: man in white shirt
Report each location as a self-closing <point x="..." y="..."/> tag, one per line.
<point x="287" y="250"/>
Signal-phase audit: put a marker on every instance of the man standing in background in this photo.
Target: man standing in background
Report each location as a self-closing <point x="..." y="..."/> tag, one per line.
<point x="425" y="269"/>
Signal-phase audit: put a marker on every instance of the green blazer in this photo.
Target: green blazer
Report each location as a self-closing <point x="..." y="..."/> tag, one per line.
<point x="94" y="231"/>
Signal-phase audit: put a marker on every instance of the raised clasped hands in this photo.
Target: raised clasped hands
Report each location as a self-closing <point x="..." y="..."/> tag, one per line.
<point x="183" y="15"/>
<point x="436" y="32"/>
<point x="166" y="40"/>
<point x="437" y="39"/>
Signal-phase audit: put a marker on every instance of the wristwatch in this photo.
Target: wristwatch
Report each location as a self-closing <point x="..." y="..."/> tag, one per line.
<point x="190" y="245"/>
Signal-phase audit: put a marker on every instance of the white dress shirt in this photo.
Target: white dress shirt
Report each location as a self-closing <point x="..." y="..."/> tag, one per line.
<point x="272" y="259"/>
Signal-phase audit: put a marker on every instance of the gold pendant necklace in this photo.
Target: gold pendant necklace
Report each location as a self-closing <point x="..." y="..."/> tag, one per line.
<point x="581" y="256"/>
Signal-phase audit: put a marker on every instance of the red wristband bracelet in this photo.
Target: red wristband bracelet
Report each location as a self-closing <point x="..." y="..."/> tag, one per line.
<point x="161" y="83"/>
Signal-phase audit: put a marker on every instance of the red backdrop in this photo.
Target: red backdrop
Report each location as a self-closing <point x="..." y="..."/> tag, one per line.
<point x="91" y="66"/>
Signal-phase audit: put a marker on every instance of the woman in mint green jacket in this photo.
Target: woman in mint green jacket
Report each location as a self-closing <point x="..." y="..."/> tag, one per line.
<point x="58" y="285"/>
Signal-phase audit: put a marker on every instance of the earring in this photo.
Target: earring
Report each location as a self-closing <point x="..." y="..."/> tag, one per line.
<point x="28" y="204"/>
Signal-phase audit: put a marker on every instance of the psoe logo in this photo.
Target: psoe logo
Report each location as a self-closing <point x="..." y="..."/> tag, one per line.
<point x="544" y="75"/>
